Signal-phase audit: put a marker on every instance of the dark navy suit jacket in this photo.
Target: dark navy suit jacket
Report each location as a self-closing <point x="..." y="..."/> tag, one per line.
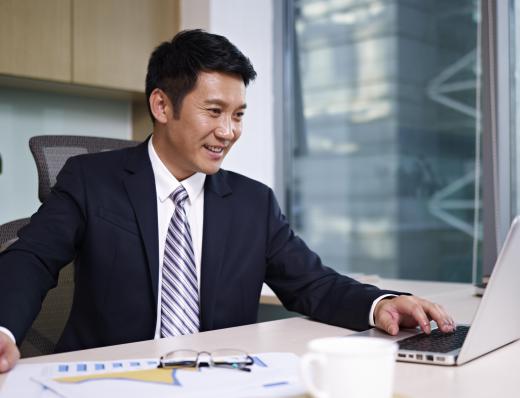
<point x="102" y="212"/>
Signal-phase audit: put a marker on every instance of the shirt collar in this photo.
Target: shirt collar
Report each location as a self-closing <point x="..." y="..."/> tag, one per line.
<point x="166" y="183"/>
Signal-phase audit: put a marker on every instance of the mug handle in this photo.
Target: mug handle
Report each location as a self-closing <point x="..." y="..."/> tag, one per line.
<point x="307" y="374"/>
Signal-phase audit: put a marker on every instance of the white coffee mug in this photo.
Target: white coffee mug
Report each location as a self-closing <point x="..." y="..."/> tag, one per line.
<point x="349" y="367"/>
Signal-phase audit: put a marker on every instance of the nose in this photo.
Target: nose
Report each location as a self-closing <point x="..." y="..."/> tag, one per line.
<point x="226" y="130"/>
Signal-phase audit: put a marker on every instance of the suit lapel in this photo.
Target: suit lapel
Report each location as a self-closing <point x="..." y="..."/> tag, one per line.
<point x="217" y="215"/>
<point x="140" y="186"/>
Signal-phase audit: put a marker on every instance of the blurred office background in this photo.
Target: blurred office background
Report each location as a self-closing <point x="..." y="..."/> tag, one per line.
<point x="385" y="127"/>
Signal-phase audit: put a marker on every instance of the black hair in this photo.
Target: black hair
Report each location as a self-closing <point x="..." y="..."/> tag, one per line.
<point x="174" y="65"/>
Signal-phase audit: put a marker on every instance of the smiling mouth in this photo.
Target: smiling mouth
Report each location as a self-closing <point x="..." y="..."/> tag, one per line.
<point x="214" y="149"/>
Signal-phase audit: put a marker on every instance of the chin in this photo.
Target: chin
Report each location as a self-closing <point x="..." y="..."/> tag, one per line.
<point x="209" y="170"/>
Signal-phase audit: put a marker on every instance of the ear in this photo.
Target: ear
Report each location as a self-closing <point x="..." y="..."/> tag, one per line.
<point x="160" y="106"/>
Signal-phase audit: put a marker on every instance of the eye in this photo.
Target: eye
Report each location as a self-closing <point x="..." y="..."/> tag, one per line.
<point x="215" y="111"/>
<point x="239" y="115"/>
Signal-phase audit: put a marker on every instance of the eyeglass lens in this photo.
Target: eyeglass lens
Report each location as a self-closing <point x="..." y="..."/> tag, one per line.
<point x="192" y="358"/>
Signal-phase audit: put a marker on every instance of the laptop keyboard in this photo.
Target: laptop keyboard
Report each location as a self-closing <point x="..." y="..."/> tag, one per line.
<point x="436" y="341"/>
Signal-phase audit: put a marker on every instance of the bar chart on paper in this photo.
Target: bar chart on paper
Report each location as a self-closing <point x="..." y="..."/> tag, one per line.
<point x="272" y="375"/>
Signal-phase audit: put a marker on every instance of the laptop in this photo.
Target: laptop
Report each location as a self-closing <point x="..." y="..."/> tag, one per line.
<point x="495" y="324"/>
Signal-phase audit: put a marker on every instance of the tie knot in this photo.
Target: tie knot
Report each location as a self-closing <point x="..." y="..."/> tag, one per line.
<point x="179" y="196"/>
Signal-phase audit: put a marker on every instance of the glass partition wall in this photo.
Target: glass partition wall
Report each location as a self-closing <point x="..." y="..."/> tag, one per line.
<point x="383" y="130"/>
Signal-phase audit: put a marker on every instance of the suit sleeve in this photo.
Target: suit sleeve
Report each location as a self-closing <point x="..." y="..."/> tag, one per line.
<point x="303" y="284"/>
<point x="30" y="266"/>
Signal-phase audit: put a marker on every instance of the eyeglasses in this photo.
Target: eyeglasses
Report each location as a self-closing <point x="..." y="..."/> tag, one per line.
<point x="224" y="358"/>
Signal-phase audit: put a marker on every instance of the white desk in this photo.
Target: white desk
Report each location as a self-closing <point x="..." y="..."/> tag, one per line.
<point x="494" y="375"/>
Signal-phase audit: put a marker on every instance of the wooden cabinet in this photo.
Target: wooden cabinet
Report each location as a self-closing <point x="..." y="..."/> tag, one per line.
<point x="113" y="39"/>
<point x="101" y="43"/>
<point x="35" y="39"/>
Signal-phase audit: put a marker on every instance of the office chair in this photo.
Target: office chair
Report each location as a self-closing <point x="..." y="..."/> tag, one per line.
<point x="50" y="153"/>
<point x="9" y="231"/>
<point x="48" y="325"/>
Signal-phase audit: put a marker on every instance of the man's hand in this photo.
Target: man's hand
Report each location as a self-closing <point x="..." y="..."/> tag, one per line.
<point x="409" y="312"/>
<point x="9" y="353"/>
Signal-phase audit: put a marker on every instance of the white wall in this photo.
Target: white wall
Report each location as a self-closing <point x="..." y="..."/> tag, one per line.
<point x="25" y="113"/>
<point x="248" y="25"/>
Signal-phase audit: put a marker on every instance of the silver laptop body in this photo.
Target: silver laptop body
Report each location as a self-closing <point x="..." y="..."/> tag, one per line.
<point x="497" y="320"/>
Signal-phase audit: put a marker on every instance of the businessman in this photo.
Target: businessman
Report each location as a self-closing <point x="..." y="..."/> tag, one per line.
<point x="167" y="243"/>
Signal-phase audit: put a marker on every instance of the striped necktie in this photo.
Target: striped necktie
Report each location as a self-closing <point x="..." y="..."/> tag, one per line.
<point x="180" y="294"/>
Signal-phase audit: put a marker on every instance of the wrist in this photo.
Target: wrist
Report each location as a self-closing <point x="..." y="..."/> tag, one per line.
<point x="372" y="316"/>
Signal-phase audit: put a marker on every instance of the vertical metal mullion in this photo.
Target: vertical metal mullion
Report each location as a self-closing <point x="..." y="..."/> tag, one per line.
<point x="488" y="21"/>
<point x="503" y="131"/>
<point x="288" y="105"/>
<point x="496" y="118"/>
<point x="280" y="96"/>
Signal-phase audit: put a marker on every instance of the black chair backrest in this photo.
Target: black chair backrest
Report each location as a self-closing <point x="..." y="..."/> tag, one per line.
<point x="9" y="231"/>
<point x="50" y="153"/>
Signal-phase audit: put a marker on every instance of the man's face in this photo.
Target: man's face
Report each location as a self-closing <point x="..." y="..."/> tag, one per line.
<point x="210" y="122"/>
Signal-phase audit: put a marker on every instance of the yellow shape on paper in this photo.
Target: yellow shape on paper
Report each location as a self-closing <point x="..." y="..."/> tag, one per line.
<point x="156" y="375"/>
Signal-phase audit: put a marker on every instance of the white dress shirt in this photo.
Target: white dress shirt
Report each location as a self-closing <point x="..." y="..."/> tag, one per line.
<point x="165" y="184"/>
